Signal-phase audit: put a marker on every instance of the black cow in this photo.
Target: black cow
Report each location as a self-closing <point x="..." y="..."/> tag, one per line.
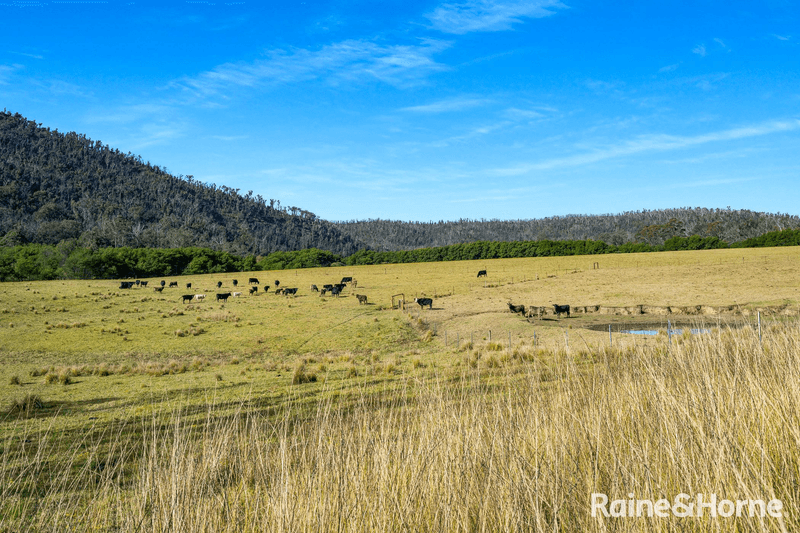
<point x="327" y="287"/>
<point x="346" y="279"/>
<point x="292" y="291"/>
<point x="253" y="289"/>
<point x="163" y="282"/>
<point x="144" y="284"/>
<point x="278" y="291"/>
<point x="277" y="282"/>
<point x="223" y="296"/>
<point x="561" y="309"/>
<point x="188" y="285"/>
<point x="253" y="281"/>
<point x="126" y="285"/>
<point x="340" y="286"/>
<point x="314" y="288"/>
<point x="362" y="298"/>
<point x="173" y="284"/>
<point x="335" y="290"/>
<point x="481" y="273"/>
<point x="236" y="283"/>
<point x="158" y="289"/>
<point x="187" y="297"/>
<point x="137" y="282"/>
<point x="219" y="284"/>
<point x="516" y="308"/>
<point x="424" y="301"/>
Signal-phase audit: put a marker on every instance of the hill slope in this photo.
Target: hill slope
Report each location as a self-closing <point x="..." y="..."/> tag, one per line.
<point x="56" y="186"/>
<point x="651" y="227"/>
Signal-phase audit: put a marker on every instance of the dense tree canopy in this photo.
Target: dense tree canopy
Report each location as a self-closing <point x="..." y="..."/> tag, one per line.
<point x="56" y="187"/>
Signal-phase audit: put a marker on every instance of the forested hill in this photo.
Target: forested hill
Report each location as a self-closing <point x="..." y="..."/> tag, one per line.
<point x="56" y="186"/>
<point x="650" y="227"/>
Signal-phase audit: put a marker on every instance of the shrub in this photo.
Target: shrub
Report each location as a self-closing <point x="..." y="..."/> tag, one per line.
<point x="26" y="406"/>
<point x="301" y="376"/>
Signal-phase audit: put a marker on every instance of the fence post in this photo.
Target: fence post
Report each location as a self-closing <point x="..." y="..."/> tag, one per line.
<point x="490" y="335"/>
<point x="610" y="340"/>
<point x="759" y="326"/>
<point x="509" y="340"/>
<point x="669" y="333"/>
<point x="566" y="337"/>
<point x="458" y="342"/>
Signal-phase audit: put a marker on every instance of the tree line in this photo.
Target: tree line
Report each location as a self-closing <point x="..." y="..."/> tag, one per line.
<point x="69" y="260"/>
<point x="652" y="227"/>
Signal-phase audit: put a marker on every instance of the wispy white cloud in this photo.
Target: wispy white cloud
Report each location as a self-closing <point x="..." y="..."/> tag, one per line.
<point x="7" y="71"/>
<point x="601" y="86"/>
<point x="782" y="37"/>
<point x="34" y="56"/>
<point x="448" y="105"/>
<point x="488" y="15"/>
<point x="700" y="50"/>
<point x="126" y="114"/>
<point x="652" y="143"/>
<point x="155" y="134"/>
<point x="346" y="61"/>
<point x="230" y="138"/>
<point x="515" y="113"/>
<point x="669" y="68"/>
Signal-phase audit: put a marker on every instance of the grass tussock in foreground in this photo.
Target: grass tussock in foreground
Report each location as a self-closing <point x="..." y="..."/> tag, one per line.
<point x="488" y="450"/>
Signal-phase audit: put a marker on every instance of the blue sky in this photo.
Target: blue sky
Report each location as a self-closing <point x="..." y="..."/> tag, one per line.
<point x="429" y="110"/>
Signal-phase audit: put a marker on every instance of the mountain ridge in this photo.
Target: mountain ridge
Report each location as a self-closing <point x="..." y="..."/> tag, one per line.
<point x="58" y="187"/>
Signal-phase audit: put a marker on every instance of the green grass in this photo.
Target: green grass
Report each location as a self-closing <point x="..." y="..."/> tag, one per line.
<point x="83" y="363"/>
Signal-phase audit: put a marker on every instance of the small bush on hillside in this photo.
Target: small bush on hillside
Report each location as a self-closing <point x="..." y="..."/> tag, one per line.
<point x="26" y="406"/>
<point x="301" y="376"/>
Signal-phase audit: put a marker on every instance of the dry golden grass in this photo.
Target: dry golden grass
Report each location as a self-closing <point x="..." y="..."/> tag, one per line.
<point x="117" y="421"/>
<point x="519" y="448"/>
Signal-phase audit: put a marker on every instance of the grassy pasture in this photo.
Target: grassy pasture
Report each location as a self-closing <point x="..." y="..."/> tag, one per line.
<point x="116" y="369"/>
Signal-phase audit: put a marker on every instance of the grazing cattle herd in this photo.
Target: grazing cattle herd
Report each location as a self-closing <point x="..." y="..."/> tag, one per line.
<point x="332" y="289"/>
